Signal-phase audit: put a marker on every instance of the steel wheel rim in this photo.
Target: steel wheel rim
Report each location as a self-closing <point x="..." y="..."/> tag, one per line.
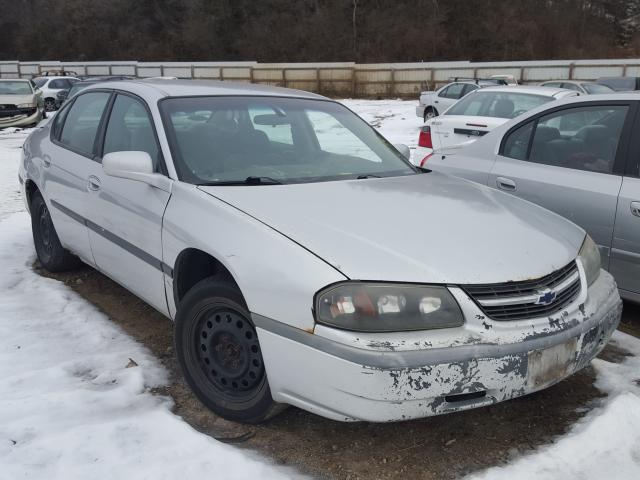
<point x="228" y="352"/>
<point x="45" y="227"/>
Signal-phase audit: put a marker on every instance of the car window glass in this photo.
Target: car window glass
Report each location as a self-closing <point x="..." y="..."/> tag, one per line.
<point x="334" y="137"/>
<point x="130" y="129"/>
<point x="596" y="88"/>
<point x="497" y="104"/>
<point x="552" y="84"/>
<point x="571" y="86"/>
<point x="40" y="82"/>
<point x="469" y="87"/>
<point x="454" y="91"/>
<point x="292" y="140"/>
<point x="57" y="83"/>
<point x="583" y="138"/>
<point x="83" y="119"/>
<point x="516" y="145"/>
<point x="276" y="133"/>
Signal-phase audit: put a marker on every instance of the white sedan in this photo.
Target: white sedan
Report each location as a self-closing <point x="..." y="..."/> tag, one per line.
<point x="480" y="112"/>
<point x="272" y="226"/>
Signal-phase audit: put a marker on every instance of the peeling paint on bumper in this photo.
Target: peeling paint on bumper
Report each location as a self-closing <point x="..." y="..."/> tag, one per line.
<point x="332" y="377"/>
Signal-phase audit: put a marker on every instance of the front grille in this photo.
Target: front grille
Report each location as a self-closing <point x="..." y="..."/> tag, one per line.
<point x="8" y="110"/>
<point x="529" y="298"/>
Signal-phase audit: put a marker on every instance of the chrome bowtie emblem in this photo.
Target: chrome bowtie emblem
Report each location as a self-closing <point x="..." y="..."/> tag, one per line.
<point x="545" y="296"/>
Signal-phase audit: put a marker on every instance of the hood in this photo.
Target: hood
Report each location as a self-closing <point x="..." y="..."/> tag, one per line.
<point x="17" y="99"/>
<point x="427" y="228"/>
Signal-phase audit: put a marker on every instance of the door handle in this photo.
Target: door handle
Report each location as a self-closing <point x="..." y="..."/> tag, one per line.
<point x="635" y="208"/>
<point x="93" y="183"/>
<point x="505" y="184"/>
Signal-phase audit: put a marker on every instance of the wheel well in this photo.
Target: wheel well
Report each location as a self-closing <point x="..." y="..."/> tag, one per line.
<point x="30" y="188"/>
<point x="193" y="265"/>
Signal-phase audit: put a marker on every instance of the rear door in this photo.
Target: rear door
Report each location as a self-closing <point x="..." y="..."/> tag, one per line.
<point x="125" y="216"/>
<point x="66" y="169"/>
<point x="570" y="160"/>
<point x="625" y="249"/>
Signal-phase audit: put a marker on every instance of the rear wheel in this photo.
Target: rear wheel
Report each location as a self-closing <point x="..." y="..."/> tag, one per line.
<point x="430" y="112"/>
<point x="52" y="255"/>
<point x="219" y="353"/>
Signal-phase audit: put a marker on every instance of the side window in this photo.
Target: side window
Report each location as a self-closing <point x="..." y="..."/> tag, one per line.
<point x="82" y="121"/>
<point x="335" y="138"/>
<point x="468" y="88"/>
<point x="571" y="86"/>
<point x="516" y="145"/>
<point x="131" y="129"/>
<point x="454" y="91"/>
<point x="58" y="121"/>
<point x="583" y="138"/>
<point x="266" y="120"/>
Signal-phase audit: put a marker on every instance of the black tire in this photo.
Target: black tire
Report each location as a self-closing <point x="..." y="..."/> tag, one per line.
<point x="218" y="350"/>
<point x="429" y="113"/>
<point x="49" y="104"/>
<point x="52" y="255"/>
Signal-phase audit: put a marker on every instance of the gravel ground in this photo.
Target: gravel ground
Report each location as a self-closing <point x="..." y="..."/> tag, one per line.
<point x="448" y="446"/>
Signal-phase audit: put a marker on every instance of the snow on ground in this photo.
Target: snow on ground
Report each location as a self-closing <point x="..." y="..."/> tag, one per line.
<point x="605" y="444"/>
<point x="70" y="407"/>
<point x="396" y="120"/>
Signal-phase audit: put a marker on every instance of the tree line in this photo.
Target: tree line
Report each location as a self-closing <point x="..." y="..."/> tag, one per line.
<point x="365" y="31"/>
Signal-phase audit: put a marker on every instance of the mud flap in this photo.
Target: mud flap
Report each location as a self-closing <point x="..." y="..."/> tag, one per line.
<point x="551" y="364"/>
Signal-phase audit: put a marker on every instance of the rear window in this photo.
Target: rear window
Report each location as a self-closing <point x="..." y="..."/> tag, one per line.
<point x="621" y="84"/>
<point x="497" y="104"/>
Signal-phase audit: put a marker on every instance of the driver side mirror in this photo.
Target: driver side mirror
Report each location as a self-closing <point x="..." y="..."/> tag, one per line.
<point x="404" y="150"/>
<point x="136" y="166"/>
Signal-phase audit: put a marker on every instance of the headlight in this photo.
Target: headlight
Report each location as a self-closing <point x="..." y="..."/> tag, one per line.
<point x="26" y="105"/>
<point x="590" y="258"/>
<point x="371" y="307"/>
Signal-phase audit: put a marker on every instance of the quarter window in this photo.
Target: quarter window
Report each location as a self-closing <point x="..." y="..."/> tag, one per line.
<point x="130" y="129"/>
<point x="82" y="121"/>
<point x="583" y="138"/>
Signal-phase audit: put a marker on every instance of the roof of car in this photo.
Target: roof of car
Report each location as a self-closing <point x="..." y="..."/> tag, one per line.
<point x="184" y="88"/>
<point x="530" y="89"/>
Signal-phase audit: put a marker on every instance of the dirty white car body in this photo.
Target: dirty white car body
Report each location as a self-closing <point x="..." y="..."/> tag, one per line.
<point x="295" y="251"/>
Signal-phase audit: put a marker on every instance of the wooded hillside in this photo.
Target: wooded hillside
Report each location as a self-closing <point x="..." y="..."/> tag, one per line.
<point x="318" y="30"/>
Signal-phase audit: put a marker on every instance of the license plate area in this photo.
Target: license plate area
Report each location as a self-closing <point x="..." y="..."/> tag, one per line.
<point x="551" y="364"/>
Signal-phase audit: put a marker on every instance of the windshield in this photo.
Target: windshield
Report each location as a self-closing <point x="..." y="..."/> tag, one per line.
<point x="497" y="104"/>
<point x="39" y="82"/>
<point x="282" y="140"/>
<point x="15" y="88"/>
<point x="596" y="88"/>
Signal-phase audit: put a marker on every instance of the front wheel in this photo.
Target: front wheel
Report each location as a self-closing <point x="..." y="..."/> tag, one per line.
<point x="219" y="353"/>
<point x="49" y="104"/>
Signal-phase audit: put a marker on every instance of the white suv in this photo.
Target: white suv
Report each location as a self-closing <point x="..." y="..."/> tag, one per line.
<point x="50" y="86"/>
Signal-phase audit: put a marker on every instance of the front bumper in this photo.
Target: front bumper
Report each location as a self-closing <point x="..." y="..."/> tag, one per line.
<point x="349" y="377"/>
<point x="21" y="120"/>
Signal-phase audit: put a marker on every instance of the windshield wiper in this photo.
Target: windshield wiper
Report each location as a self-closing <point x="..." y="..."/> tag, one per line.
<point x="251" y="180"/>
<point x="368" y="175"/>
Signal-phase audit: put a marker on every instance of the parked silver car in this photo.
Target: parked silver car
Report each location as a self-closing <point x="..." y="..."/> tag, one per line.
<point x="578" y="157"/>
<point x="272" y="226"/>
<point x="585" y="88"/>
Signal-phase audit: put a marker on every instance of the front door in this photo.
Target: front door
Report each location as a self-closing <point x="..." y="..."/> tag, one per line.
<point x="569" y="161"/>
<point x="125" y="219"/>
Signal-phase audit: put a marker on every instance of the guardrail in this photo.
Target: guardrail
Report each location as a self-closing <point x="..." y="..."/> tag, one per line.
<point x="346" y="79"/>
